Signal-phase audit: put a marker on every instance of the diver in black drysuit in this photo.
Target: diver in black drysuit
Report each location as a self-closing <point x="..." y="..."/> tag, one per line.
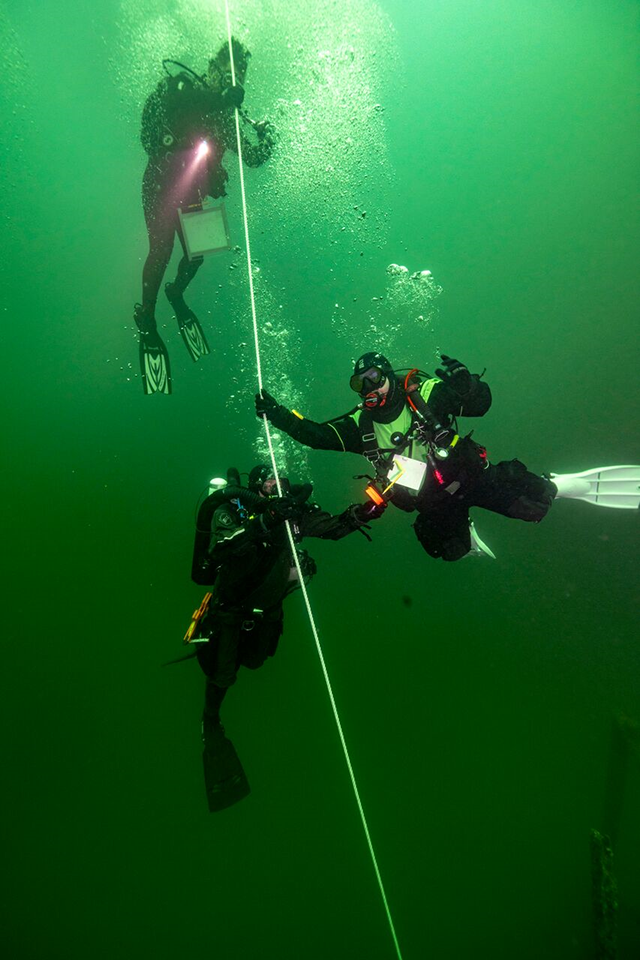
<point x="183" y="111"/>
<point x="242" y="545"/>
<point x="416" y="417"/>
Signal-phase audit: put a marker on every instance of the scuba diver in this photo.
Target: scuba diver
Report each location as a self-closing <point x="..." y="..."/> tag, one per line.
<point x="406" y="426"/>
<point x="242" y="554"/>
<point x="187" y="124"/>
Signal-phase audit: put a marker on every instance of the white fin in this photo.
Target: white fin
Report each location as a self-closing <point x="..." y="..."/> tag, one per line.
<point x="478" y="546"/>
<point x="617" y="487"/>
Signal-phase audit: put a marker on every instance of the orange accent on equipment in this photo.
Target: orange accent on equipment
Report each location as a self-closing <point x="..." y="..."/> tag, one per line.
<point x="197" y="616"/>
<point x="373" y="494"/>
<point x="406" y="384"/>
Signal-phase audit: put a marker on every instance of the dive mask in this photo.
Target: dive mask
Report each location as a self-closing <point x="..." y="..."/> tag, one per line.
<point x="372" y="379"/>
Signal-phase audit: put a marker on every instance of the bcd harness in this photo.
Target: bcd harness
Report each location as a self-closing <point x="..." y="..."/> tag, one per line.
<point x="437" y="439"/>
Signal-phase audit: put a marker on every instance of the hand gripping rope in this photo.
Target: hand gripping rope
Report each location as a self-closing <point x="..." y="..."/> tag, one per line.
<point x="294" y="552"/>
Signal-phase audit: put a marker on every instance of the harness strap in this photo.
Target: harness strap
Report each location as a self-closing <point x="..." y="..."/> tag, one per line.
<point x="371" y="450"/>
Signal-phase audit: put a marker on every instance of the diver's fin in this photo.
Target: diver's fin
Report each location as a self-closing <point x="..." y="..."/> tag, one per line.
<point x="154" y="364"/>
<point x="603" y="486"/>
<point x="194" y="338"/>
<point x="224" y="778"/>
<point x="187" y="656"/>
<point x="478" y="546"/>
<point x="188" y="324"/>
<point x="154" y="359"/>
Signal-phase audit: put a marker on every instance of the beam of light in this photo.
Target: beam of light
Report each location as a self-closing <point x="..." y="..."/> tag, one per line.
<point x="294" y="552"/>
<point x="192" y="168"/>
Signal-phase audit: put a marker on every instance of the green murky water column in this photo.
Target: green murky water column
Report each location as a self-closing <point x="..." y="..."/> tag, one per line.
<point x="494" y="145"/>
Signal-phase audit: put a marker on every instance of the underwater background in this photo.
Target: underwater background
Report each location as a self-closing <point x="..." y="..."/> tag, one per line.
<point x="490" y="152"/>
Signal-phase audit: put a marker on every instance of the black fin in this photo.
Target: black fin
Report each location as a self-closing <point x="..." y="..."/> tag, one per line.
<point x="224" y="778"/>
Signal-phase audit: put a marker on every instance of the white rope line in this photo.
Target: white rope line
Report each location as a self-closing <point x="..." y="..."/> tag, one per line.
<point x="294" y="552"/>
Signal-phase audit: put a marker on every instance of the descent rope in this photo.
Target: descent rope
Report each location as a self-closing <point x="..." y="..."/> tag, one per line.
<point x="294" y="552"/>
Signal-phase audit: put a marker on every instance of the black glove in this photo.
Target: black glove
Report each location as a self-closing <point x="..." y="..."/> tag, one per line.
<point x="362" y="513"/>
<point x="265" y="131"/>
<point x="455" y="375"/>
<point x="280" y="509"/>
<point x="267" y="406"/>
<point x="275" y="512"/>
<point x="233" y="96"/>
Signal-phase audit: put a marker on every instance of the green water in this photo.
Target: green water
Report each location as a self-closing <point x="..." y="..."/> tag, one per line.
<point x="494" y="144"/>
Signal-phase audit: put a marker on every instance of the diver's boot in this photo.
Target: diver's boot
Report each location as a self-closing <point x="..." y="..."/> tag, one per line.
<point x="154" y="359"/>
<point x="188" y="324"/>
<point x="224" y="779"/>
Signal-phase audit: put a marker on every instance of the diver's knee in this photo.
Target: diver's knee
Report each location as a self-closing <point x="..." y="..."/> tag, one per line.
<point x="252" y="663"/>
<point x="440" y="545"/>
<point x="531" y="511"/>
<point x="455" y="549"/>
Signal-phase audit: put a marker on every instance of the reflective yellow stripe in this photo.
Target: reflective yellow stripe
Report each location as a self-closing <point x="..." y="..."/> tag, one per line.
<point x="337" y="435"/>
<point x="298" y="415"/>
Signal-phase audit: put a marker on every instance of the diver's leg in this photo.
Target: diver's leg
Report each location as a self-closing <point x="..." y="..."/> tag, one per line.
<point x="443" y="531"/>
<point x="219" y="657"/>
<point x="155" y="368"/>
<point x="161" y="219"/>
<point x="510" y="489"/>
<point x="187" y="268"/>
<point x="213" y="697"/>
<point x="188" y="324"/>
<point x="224" y="778"/>
<point x="228" y="659"/>
<point x="261" y="641"/>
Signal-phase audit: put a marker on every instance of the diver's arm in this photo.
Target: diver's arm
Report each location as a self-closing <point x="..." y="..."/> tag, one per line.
<point x="478" y="400"/>
<point x="231" y="537"/>
<point x="341" y="434"/>
<point x="467" y="389"/>
<point x="318" y="523"/>
<point x="447" y="402"/>
<point x="253" y="154"/>
<point x="458" y="393"/>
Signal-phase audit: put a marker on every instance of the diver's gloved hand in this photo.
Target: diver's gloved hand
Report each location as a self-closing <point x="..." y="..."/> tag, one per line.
<point x="455" y="375"/>
<point x="265" y="130"/>
<point x="364" y="512"/>
<point x="267" y="406"/>
<point x="276" y="511"/>
<point x="233" y="96"/>
<point x="280" y="509"/>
